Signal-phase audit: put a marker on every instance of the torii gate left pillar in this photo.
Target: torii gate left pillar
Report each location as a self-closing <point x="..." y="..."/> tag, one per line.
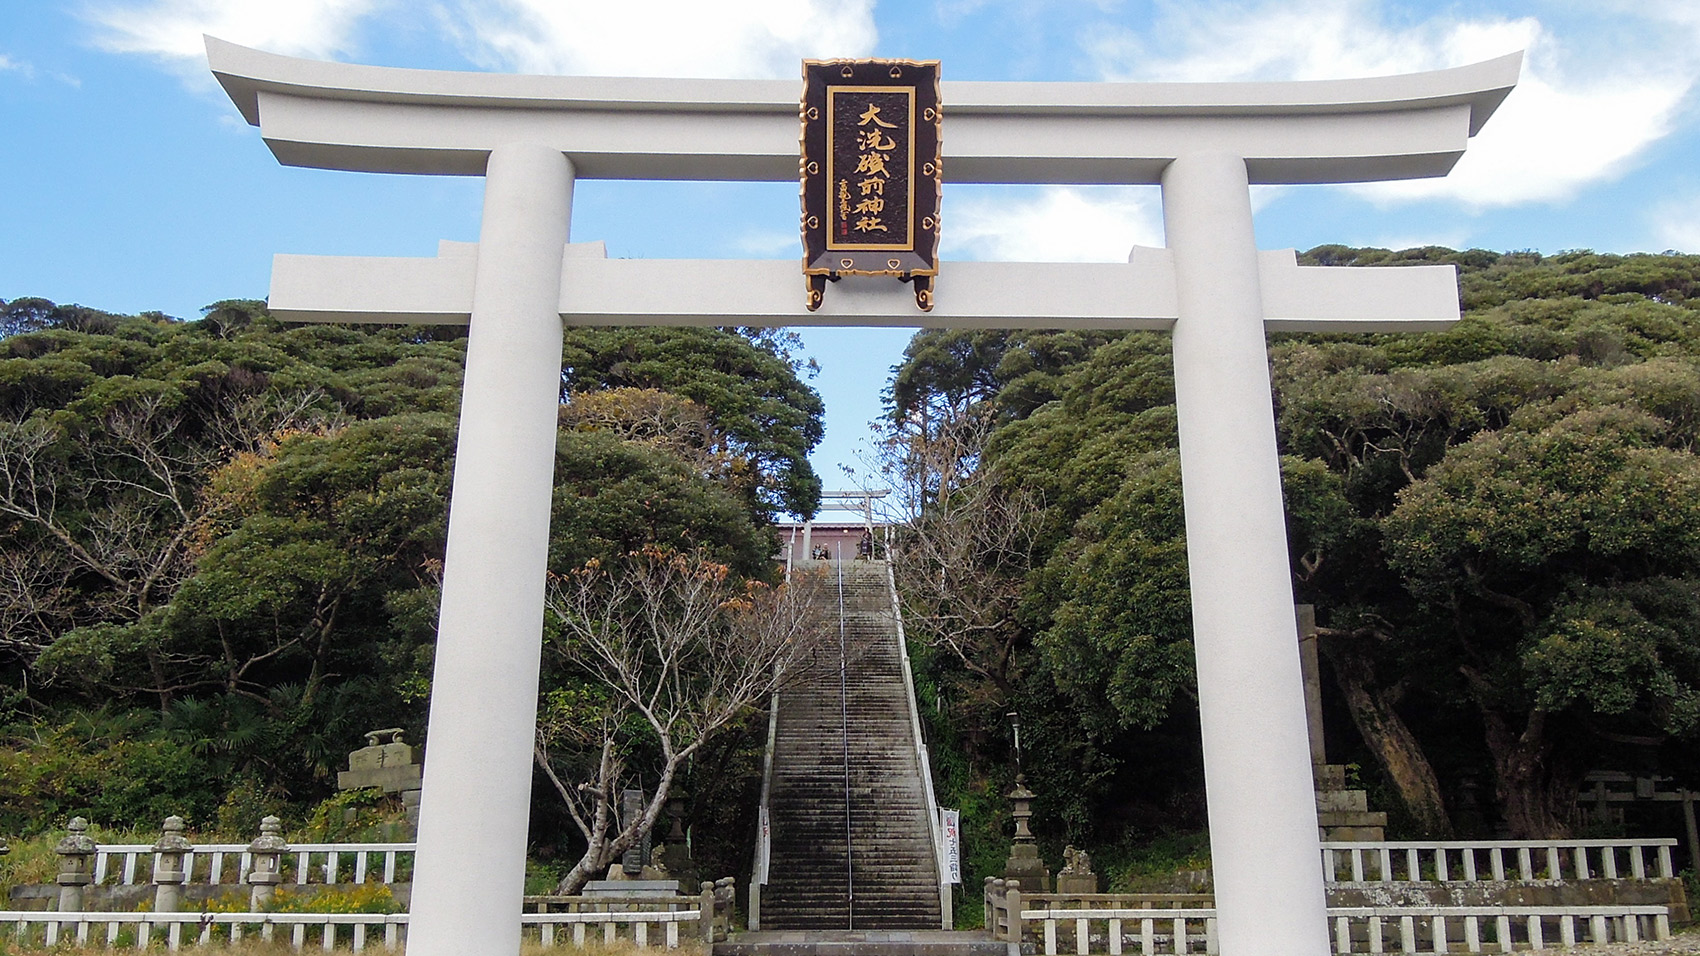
<point x="1204" y="143"/>
<point x="484" y="681"/>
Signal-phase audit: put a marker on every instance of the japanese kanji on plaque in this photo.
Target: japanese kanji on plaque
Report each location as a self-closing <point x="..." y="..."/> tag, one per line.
<point x="871" y="172"/>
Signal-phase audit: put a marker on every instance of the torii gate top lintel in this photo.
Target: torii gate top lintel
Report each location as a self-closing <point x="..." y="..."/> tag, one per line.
<point x="384" y="119"/>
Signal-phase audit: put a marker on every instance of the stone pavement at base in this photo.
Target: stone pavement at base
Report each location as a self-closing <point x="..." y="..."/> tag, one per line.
<point x="909" y="942"/>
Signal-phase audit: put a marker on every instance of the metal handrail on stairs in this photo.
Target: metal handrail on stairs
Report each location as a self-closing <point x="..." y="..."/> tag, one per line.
<point x="764" y="826"/>
<point x="844" y="730"/>
<point x="934" y="824"/>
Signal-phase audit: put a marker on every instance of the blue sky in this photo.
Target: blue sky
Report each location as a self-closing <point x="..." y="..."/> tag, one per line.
<point x="129" y="183"/>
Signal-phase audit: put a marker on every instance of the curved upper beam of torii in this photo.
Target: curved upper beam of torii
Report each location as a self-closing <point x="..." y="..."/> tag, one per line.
<point x="383" y="119"/>
<point x="532" y="136"/>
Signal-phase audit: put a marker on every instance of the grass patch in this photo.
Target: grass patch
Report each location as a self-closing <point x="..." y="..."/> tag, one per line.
<point x="245" y="947"/>
<point x="620" y="947"/>
<point x="32" y="859"/>
<point x="1155" y="865"/>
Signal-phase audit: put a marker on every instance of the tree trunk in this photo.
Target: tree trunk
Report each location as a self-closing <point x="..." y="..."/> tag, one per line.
<point x="1388" y="737"/>
<point x="603" y="850"/>
<point x="1533" y="801"/>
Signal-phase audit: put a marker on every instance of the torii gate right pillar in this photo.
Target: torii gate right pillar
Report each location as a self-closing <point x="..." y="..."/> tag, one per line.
<point x="1263" y="838"/>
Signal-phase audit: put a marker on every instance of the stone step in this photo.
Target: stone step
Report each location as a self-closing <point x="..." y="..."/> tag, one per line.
<point x="1345" y="818"/>
<point x="1334" y="801"/>
<point x="815" y="751"/>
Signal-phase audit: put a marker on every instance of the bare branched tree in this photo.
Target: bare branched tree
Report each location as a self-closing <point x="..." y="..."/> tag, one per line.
<point x="964" y="542"/>
<point x="676" y="649"/>
<point x="120" y="505"/>
<point x="34" y="598"/>
<point x="253" y="423"/>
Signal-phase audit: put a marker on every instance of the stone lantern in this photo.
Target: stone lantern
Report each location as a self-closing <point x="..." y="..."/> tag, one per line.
<point x="675" y="853"/>
<point x="1024" y="863"/>
<point x="76" y="865"/>
<point x="265" y="871"/>
<point x="676" y="798"/>
<point x="168" y="872"/>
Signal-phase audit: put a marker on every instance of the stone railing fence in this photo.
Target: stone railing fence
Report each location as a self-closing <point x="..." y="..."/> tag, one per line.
<point x="643" y="928"/>
<point x="29" y="928"/>
<point x="173" y="873"/>
<point x="1399" y="929"/>
<point x="586" y="916"/>
<point x="162" y="891"/>
<point x="1468" y="861"/>
<point x="123" y="864"/>
<point x="1392" y="897"/>
<point x="126" y="864"/>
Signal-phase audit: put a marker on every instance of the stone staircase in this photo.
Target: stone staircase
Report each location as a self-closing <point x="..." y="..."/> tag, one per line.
<point x="851" y="833"/>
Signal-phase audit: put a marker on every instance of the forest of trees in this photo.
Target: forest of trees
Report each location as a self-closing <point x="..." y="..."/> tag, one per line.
<point x="220" y="544"/>
<point x="221" y="540"/>
<point x="1498" y="524"/>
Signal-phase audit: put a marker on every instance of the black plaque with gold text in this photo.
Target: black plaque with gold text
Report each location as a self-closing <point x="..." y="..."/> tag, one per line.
<point x="871" y="172"/>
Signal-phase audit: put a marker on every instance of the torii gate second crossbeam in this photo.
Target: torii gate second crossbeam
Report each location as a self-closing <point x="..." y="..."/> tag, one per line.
<point x="530" y="136"/>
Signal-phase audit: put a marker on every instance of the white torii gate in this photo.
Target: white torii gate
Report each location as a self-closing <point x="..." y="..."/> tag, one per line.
<point x="531" y="136"/>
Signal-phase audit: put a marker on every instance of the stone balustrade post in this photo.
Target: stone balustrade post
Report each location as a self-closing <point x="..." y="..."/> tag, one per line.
<point x="706" y="908"/>
<point x="988" y="904"/>
<point x="726" y="902"/>
<point x="266" y="870"/>
<point x="1012" y="901"/>
<point x="76" y="860"/>
<point x="168" y="872"/>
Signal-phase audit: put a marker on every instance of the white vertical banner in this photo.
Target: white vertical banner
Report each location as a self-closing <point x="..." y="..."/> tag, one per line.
<point x="952" y="820"/>
<point x="766" y="827"/>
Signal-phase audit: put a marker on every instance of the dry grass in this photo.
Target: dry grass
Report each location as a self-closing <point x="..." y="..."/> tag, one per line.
<point x="281" y="947"/>
<point x="247" y="947"/>
<point x="32" y="859"/>
<point x="693" y="947"/>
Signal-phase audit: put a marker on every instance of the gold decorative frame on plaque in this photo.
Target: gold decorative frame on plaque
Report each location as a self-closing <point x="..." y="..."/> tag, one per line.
<point x="871" y="172"/>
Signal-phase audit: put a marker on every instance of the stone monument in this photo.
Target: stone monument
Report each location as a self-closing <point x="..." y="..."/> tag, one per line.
<point x="1024" y="863"/>
<point x="266" y="852"/>
<point x="76" y="854"/>
<point x="388" y="766"/>
<point x="169" y="873"/>
<point x="1076" y="876"/>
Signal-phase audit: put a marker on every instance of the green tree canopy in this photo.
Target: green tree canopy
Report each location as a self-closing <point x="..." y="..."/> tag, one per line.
<point x="1494" y="522"/>
<point x="239" y="526"/>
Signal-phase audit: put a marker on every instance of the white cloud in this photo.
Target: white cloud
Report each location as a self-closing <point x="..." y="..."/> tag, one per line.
<point x="27" y="71"/>
<point x="1228" y="41"/>
<point x="1575" y="118"/>
<point x="1677" y="224"/>
<point x="1451" y="239"/>
<point x="171" y="30"/>
<point x="752" y="38"/>
<point x="1547" y="142"/>
<point x="1051" y="224"/>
